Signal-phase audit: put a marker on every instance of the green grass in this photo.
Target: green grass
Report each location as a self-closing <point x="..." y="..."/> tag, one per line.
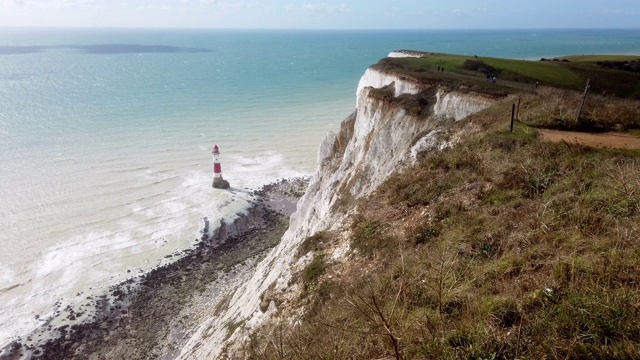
<point x="571" y="74"/>
<point x="545" y="72"/>
<point x="434" y="60"/>
<point x="313" y="271"/>
<point x="369" y="236"/>
<point x="596" y="58"/>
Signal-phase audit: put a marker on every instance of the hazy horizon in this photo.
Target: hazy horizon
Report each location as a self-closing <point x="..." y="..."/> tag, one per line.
<point x="70" y="27"/>
<point x="320" y="15"/>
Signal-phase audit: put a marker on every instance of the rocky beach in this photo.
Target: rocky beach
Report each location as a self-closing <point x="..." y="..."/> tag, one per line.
<point x="149" y="316"/>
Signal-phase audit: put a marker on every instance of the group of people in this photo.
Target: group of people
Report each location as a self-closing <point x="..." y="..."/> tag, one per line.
<point x="440" y="69"/>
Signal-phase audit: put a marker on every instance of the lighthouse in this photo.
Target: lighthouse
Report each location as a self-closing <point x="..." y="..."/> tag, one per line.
<point x="218" y="181"/>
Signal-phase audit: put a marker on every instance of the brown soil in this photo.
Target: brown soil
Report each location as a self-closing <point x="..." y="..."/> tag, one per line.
<point x="610" y="140"/>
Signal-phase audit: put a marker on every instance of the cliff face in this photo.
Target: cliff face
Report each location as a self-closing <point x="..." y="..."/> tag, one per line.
<point x="379" y="138"/>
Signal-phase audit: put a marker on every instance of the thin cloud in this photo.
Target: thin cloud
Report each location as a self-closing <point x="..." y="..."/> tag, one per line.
<point x="459" y="13"/>
<point x="55" y="4"/>
<point x="232" y="5"/>
<point x="326" y="9"/>
<point x="616" y="12"/>
<point x="450" y="13"/>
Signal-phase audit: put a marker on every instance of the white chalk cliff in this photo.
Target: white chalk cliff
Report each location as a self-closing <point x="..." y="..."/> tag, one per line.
<point x="377" y="139"/>
<point x="406" y="53"/>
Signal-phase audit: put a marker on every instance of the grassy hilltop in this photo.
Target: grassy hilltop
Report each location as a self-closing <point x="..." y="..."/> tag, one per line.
<point x="618" y="75"/>
<point x="503" y="246"/>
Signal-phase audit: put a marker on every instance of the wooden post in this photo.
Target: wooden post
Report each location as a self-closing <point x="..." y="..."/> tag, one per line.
<point x="584" y="97"/>
<point x="513" y="110"/>
<point x="518" y="110"/>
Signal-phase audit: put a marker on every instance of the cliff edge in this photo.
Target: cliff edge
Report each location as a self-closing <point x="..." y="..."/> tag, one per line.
<point x="438" y="228"/>
<point x="396" y="119"/>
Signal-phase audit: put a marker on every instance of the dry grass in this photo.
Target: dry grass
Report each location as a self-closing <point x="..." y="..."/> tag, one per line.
<point x="502" y="247"/>
<point x="555" y="108"/>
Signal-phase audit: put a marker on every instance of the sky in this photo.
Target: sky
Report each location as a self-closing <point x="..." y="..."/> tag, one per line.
<point x="322" y="14"/>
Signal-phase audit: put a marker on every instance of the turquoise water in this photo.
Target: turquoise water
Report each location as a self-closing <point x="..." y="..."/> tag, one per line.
<point x="105" y="136"/>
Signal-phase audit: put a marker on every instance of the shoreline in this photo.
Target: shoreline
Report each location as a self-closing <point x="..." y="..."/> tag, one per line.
<point x="132" y="318"/>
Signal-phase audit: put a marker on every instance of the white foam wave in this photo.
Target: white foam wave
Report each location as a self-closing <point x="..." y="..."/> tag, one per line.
<point x="135" y="235"/>
<point x="252" y="172"/>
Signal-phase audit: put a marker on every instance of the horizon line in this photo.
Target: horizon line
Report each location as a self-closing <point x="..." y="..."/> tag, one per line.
<point x="308" y="29"/>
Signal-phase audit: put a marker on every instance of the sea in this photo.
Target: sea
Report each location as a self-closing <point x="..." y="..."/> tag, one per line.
<point x="106" y="137"/>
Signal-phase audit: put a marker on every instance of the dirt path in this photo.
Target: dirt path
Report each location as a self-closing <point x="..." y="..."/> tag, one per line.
<point x="611" y="140"/>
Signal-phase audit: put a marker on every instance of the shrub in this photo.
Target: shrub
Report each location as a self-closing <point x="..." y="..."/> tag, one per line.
<point x="369" y="236"/>
<point x="313" y="271"/>
<point x="425" y="234"/>
<point x="503" y="310"/>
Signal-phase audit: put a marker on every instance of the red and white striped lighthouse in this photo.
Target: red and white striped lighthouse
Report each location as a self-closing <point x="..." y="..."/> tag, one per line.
<point x="217" y="169"/>
<point x="218" y="182"/>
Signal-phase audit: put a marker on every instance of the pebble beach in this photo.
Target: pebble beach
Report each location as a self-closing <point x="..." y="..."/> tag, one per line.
<point x="149" y="315"/>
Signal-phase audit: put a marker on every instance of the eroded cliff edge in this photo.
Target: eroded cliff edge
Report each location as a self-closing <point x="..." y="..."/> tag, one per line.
<point x="397" y="118"/>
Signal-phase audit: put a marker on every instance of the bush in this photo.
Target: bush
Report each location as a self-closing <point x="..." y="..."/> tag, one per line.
<point x="313" y="271"/>
<point x="502" y="310"/>
<point x="369" y="237"/>
<point x="425" y="234"/>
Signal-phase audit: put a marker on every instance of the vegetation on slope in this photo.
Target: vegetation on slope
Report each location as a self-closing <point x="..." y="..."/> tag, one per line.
<point x="500" y="247"/>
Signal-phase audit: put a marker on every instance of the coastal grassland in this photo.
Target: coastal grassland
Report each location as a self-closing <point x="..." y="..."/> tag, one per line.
<point x="569" y="72"/>
<point x="506" y="69"/>
<point x="501" y="247"/>
<point x="555" y="108"/>
<point x="596" y="58"/>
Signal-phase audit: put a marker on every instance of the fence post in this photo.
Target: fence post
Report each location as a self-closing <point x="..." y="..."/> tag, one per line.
<point x="584" y="97"/>
<point x="513" y="110"/>
<point x="518" y="110"/>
